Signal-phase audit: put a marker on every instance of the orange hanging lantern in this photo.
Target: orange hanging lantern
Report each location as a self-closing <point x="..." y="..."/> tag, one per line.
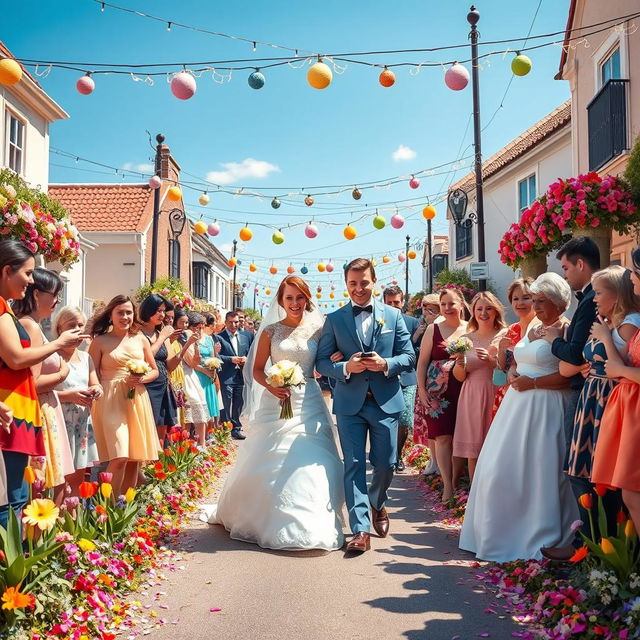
<point x="174" y="193"/>
<point x="232" y="261"/>
<point x="273" y="269"/>
<point x="322" y="267"/>
<point x="253" y="267"/>
<point x="429" y="212"/>
<point x="200" y="227"/>
<point x="350" y="232"/>
<point x="291" y="269"/>
<point x="411" y="255"/>
<point x="245" y="234"/>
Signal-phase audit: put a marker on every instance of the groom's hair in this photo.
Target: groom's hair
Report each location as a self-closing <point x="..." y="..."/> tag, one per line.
<point x="360" y="264"/>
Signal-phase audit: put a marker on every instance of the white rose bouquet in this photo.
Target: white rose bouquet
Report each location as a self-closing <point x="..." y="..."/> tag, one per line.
<point x="213" y="364"/>
<point x="138" y="368"/>
<point x="285" y="373"/>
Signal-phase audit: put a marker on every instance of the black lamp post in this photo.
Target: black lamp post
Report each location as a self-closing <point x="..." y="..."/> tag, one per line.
<point x="457" y="201"/>
<point x="406" y="275"/>
<point x="156" y="213"/>
<point x="235" y="268"/>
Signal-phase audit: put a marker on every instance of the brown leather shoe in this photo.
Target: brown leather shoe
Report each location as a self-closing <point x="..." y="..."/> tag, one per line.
<point x="360" y="543"/>
<point x="558" y="554"/>
<point x="380" y="521"/>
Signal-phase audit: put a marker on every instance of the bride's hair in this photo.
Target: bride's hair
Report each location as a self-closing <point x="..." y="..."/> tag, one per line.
<point x="300" y="285"/>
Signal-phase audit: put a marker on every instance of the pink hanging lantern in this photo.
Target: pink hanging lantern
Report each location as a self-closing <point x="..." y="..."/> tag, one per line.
<point x="85" y="85"/>
<point x="397" y="221"/>
<point x="183" y="85"/>
<point x="401" y="257"/>
<point x="456" y="77"/>
<point x="414" y="183"/>
<point x="311" y="231"/>
<point x="155" y="182"/>
<point x="330" y="267"/>
<point x="213" y="229"/>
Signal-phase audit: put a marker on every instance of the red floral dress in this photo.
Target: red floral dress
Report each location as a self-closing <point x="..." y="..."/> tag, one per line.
<point x="514" y="333"/>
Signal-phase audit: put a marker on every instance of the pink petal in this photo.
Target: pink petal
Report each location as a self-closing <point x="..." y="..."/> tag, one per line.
<point x="214" y="609"/>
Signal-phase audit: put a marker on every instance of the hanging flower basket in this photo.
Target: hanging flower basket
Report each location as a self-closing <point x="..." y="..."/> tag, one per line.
<point x="533" y="266"/>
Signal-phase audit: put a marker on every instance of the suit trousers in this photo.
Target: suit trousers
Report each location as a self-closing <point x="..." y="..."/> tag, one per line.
<point x="232" y="404"/>
<point x="382" y="429"/>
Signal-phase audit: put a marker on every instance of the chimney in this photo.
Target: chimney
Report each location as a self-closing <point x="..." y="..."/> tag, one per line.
<point x="165" y="158"/>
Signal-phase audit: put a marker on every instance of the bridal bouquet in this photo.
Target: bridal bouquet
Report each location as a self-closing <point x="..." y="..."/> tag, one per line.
<point x="138" y="368"/>
<point x="458" y="346"/>
<point x="285" y="373"/>
<point x="213" y="364"/>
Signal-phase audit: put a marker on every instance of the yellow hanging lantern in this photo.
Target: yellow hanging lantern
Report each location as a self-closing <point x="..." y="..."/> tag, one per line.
<point x="319" y="75"/>
<point x="332" y="295"/>
<point x="322" y="267"/>
<point x="200" y="227"/>
<point x="267" y="292"/>
<point x="318" y="295"/>
<point x="346" y="294"/>
<point x="376" y="292"/>
<point x="174" y="193"/>
<point x="253" y="267"/>
<point x="10" y="72"/>
<point x="232" y="262"/>
<point x="386" y="259"/>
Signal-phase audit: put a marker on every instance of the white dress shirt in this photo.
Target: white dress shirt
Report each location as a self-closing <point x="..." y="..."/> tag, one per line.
<point x="364" y="325"/>
<point x="234" y="341"/>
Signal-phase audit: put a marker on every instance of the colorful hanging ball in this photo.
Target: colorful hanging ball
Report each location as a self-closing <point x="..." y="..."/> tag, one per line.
<point x="429" y="212"/>
<point x="318" y="295"/>
<point x="330" y="267"/>
<point x="275" y="203"/>
<point x="321" y="267"/>
<point x="350" y="232"/>
<point x="200" y="227"/>
<point x="344" y="266"/>
<point x="379" y="221"/>
<point x="345" y="294"/>
<point x="411" y="255"/>
<point x="332" y="295"/>
<point x="374" y="262"/>
<point x="356" y="194"/>
<point x="386" y="259"/>
<point x="521" y="65"/>
<point x="311" y="231"/>
<point x="256" y="290"/>
<point x="213" y="229"/>
<point x="273" y="269"/>
<point x="340" y="304"/>
<point x="253" y="268"/>
<point x="397" y="221"/>
<point x="174" y="193"/>
<point x="10" y="72"/>
<point x="319" y="75"/>
<point x="256" y="80"/>
<point x="155" y="182"/>
<point x="414" y="183"/>
<point x="304" y="270"/>
<point x="395" y="282"/>
<point x="318" y="288"/>
<point x="232" y="261"/>
<point x="85" y="85"/>
<point x="183" y="85"/>
<point x="204" y="200"/>
<point x="245" y="234"/>
<point x="333" y="287"/>
<point x="387" y="78"/>
<point x="277" y="237"/>
<point x="267" y="292"/>
<point x="308" y="201"/>
<point x="376" y="292"/>
<point x="291" y="269"/>
<point x="456" y="77"/>
<point x="401" y="257"/>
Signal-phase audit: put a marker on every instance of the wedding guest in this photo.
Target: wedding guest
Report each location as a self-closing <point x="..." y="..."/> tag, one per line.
<point x="249" y="325"/>
<point x="77" y="393"/>
<point x="152" y="326"/>
<point x="208" y="349"/>
<point x="437" y="386"/>
<point x="38" y="304"/>
<point x="197" y="411"/>
<point x="474" y="370"/>
<point x="394" y="297"/>
<point x="430" y="313"/>
<point x="124" y="426"/>
<point x="233" y="353"/>
<point x="21" y="433"/>
<point x="519" y="296"/>
<point x="520" y="500"/>
<point x="615" y="462"/>
<point x="242" y="318"/>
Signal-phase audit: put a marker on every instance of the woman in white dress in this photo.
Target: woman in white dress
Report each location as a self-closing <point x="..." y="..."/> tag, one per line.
<point x="286" y="488"/>
<point x="521" y="499"/>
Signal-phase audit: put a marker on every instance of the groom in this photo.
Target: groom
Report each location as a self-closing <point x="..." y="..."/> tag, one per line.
<point x="367" y="398"/>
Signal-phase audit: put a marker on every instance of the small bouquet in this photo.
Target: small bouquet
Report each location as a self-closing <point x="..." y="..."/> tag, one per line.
<point x="458" y="346"/>
<point x="285" y="373"/>
<point x="213" y="364"/>
<point x="138" y="368"/>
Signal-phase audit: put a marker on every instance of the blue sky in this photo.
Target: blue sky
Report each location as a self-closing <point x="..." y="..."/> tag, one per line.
<point x="345" y="134"/>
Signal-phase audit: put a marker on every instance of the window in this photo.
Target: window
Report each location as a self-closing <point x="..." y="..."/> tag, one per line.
<point x="464" y="242"/>
<point x="15" y="143"/>
<point x="610" y="67"/>
<point x="526" y="193"/>
<point x="201" y="280"/>
<point x="174" y="258"/>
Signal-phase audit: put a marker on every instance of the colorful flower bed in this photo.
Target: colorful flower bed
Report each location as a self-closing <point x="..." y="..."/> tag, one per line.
<point x="588" y="201"/>
<point x="69" y="577"/>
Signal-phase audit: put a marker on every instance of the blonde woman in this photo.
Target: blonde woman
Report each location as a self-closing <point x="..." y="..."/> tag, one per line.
<point x="475" y="371"/>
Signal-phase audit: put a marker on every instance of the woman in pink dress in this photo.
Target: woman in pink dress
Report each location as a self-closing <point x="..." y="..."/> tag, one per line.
<point x="475" y="370"/>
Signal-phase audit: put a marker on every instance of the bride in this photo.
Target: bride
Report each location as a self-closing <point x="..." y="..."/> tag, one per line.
<point x="285" y="490"/>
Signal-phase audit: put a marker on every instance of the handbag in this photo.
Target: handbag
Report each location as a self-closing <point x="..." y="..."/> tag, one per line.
<point x="499" y="377"/>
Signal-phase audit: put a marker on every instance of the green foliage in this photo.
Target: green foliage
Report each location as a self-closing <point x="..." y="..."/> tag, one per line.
<point x="251" y="313"/>
<point x="173" y="286"/>
<point x="454" y="276"/>
<point x="632" y="172"/>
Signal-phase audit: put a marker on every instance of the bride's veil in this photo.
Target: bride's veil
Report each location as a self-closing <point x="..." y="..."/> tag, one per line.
<point x="252" y="391"/>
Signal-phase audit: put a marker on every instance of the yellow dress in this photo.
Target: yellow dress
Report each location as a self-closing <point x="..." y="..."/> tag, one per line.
<point x="176" y="377"/>
<point x="123" y="427"/>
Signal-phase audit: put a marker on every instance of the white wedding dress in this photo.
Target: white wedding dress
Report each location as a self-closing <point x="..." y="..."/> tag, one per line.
<point x="521" y="499"/>
<point x="286" y="488"/>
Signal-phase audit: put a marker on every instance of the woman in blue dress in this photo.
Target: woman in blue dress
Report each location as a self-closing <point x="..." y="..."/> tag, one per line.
<point x="207" y="377"/>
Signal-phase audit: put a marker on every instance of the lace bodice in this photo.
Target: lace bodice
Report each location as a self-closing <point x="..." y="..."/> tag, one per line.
<point x="534" y="359"/>
<point x="298" y="344"/>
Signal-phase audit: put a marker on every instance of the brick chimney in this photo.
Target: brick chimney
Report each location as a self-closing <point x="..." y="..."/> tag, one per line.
<point x="169" y="168"/>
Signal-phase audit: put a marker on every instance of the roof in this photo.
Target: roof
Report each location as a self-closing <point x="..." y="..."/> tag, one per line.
<point x="567" y="35"/>
<point x="106" y="207"/>
<point x="538" y="133"/>
<point x="444" y="240"/>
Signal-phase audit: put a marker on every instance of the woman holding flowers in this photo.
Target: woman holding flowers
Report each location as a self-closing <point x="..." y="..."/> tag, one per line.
<point x="615" y="462"/>
<point x="123" y="419"/>
<point x="438" y="388"/>
<point x="208" y="366"/>
<point x="21" y="436"/>
<point x="475" y="370"/>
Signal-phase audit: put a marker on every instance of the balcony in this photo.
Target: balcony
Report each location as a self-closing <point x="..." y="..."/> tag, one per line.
<point x="607" y="114"/>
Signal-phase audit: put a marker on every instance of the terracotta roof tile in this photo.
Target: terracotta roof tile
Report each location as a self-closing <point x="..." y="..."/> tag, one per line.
<point x="533" y="136"/>
<point x="106" y="207"/>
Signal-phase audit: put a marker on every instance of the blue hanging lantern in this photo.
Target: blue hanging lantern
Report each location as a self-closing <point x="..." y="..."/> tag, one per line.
<point x="304" y="270"/>
<point x="256" y="80"/>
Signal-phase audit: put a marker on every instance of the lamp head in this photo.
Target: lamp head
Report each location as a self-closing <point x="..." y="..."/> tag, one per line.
<point x="473" y="17"/>
<point x="458" y="201"/>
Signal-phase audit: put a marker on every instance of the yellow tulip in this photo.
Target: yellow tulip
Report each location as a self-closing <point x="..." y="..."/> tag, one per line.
<point x="86" y="545"/>
<point x="606" y="546"/>
<point x="130" y="495"/>
<point x="29" y="475"/>
<point x="630" y="529"/>
<point x="106" y="490"/>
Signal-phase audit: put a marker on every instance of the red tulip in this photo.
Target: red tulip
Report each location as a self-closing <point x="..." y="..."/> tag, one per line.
<point x="87" y="490"/>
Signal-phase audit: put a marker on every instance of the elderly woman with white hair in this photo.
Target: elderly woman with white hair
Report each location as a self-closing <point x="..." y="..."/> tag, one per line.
<point x="521" y="500"/>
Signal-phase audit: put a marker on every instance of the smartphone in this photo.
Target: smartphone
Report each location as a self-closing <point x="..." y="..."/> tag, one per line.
<point x="367" y="354"/>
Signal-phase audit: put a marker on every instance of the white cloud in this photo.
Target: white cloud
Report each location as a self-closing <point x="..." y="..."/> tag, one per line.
<point x="403" y="153"/>
<point x="144" y="167"/>
<point x="248" y="168"/>
<point x="226" y="247"/>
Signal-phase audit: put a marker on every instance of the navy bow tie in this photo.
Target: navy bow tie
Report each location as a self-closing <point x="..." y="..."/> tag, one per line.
<point x="579" y="295"/>
<point x="358" y="310"/>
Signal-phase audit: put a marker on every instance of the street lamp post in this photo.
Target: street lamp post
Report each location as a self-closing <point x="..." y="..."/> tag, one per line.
<point x="156" y="213"/>
<point x="406" y="274"/>
<point x="472" y="18"/>
<point x="235" y="270"/>
<point x="430" y="253"/>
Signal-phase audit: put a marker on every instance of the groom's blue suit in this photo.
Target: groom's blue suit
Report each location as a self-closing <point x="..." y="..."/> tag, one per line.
<point x="367" y="402"/>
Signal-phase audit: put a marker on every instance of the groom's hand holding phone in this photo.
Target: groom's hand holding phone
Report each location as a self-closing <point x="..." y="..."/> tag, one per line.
<point x="373" y="362"/>
<point x="355" y="363"/>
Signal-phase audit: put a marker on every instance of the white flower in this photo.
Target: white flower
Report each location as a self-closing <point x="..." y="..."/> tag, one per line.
<point x="380" y="321"/>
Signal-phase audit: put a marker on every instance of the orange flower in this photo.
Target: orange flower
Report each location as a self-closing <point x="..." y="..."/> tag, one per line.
<point x="100" y="510"/>
<point x="13" y="599"/>
<point x="630" y="529"/>
<point x="108" y="581"/>
<point x="601" y="489"/>
<point x="171" y="468"/>
<point x="167" y="452"/>
<point x="161" y="475"/>
<point x="586" y="501"/>
<point x="606" y="546"/>
<point x="580" y="554"/>
<point x="87" y="490"/>
<point x="29" y="475"/>
<point x="158" y="466"/>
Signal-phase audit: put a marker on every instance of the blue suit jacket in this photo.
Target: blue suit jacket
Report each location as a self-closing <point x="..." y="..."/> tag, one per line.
<point x="408" y="378"/>
<point x="391" y="340"/>
<point x="229" y="373"/>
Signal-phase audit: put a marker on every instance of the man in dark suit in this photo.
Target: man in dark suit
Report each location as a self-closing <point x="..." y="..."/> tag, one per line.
<point x="243" y="326"/>
<point x="394" y="297"/>
<point x="580" y="259"/>
<point x="234" y="347"/>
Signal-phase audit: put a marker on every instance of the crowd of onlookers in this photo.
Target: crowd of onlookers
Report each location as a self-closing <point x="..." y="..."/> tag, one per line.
<point x="104" y="391"/>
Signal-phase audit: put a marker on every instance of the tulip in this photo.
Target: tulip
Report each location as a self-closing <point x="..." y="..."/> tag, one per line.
<point x="130" y="495"/>
<point x="29" y="475"/>
<point x="106" y="490"/>
<point x="601" y="489"/>
<point x="86" y="545"/>
<point x="580" y="554"/>
<point x="105" y="476"/>
<point x="606" y="546"/>
<point x="630" y="529"/>
<point x="586" y="501"/>
<point x="87" y="490"/>
<point x="621" y="517"/>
